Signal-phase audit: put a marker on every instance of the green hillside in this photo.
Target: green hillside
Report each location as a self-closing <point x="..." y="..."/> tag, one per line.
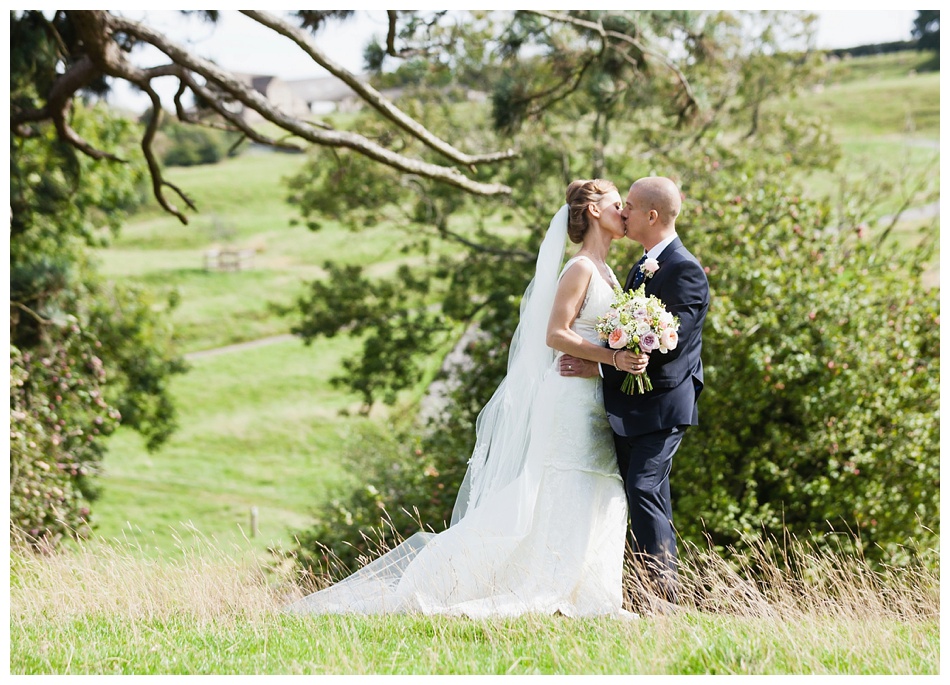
<point x="261" y="425"/>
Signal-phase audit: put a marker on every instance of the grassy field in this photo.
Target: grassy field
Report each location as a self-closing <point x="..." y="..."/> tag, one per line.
<point x="261" y="430"/>
<point x="888" y="128"/>
<point x="242" y="204"/>
<point x="341" y="645"/>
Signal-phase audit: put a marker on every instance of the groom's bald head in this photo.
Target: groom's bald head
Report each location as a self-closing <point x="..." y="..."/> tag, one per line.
<point x="660" y="194"/>
<point x="653" y="204"/>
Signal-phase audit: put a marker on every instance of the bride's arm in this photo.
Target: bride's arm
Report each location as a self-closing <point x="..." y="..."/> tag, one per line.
<point x="571" y="291"/>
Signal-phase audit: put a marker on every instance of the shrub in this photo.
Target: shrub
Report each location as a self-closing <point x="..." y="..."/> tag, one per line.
<point x="191" y="145"/>
<point x="821" y="407"/>
<point x="85" y="355"/>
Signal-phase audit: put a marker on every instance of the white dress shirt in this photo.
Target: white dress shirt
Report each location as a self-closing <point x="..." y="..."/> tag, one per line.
<point x="655" y="251"/>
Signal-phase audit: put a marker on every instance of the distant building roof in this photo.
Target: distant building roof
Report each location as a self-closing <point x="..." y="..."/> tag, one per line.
<point x="324" y="89"/>
<point x="313" y="94"/>
<point x="260" y="83"/>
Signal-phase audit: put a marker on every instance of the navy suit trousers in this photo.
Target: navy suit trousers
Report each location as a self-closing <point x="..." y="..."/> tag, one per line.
<point x="645" y="462"/>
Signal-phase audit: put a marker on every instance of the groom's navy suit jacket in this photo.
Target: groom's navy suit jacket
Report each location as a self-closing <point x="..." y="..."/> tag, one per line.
<point x="677" y="376"/>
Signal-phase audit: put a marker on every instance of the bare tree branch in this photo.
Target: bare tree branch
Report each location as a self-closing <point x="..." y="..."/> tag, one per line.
<point x="155" y="169"/>
<point x="564" y="91"/>
<point x="392" y="16"/>
<point x="687" y="88"/>
<point x="391" y="32"/>
<point x="596" y="27"/>
<point x="103" y="56"/>
<point x="58" y="103"/>
<point x="254" y="100"/>
<point x="38" y="317"/>
<point x="580" y="72"/>
<point x="522" y="255"/>
<point x="372" y="96"/>
<point x="905" y="205"/>
<point x="237" y="123"/>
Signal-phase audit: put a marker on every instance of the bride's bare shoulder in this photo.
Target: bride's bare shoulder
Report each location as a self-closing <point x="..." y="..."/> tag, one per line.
<point x="579" y="266"/>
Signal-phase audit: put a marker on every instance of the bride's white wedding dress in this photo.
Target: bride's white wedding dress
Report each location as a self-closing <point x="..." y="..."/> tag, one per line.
<point x="549" y="541"/>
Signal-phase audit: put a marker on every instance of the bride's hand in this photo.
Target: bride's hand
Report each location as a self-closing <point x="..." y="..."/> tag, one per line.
<point x="632" y="363"/>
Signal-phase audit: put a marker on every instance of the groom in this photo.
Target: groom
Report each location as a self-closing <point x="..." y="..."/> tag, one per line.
<point x="648" y="428"/>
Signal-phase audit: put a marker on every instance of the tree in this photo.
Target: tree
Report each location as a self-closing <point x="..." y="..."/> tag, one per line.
<point x="572" y="99"/>
<point x="86" y="355"/>
<point x="926" y="30"/>
<point x="88" y="47"/>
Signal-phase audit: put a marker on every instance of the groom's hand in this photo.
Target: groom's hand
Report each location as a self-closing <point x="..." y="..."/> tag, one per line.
<point x="579" y="368"/>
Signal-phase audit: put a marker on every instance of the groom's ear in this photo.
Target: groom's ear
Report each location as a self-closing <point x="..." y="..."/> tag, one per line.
<point x="652" y="216"/>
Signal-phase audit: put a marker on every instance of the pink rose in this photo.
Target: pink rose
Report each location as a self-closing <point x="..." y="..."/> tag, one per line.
<point x="669" y="338"/>
<point x="617" y="338"/>
<point x="649" y="342"/>
<point x="650" y="267"/>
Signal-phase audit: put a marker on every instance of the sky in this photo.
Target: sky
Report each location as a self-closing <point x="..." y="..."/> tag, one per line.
<point x="240" y="44"/>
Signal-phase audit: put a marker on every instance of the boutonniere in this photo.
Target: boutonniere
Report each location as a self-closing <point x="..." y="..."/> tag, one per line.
<point x="649" y="267"/>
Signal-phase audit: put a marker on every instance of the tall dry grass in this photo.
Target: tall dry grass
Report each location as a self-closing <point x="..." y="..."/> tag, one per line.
<point x="113" y="607"/>
<point x="203" y="581"/>
<point x="780" y="580"/>
<point x="794" y="580"/>
<point x="785" y="579"/>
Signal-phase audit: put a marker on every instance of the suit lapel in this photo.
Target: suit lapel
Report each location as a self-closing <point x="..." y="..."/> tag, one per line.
<point x="670" y="249"/>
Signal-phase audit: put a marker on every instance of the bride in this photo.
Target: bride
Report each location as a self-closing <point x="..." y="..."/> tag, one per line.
<point x="540" y="520"/>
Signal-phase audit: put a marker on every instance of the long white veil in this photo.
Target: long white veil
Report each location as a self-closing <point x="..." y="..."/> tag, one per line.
<point x="501" y="430"/>
<point x="501" y="443"/>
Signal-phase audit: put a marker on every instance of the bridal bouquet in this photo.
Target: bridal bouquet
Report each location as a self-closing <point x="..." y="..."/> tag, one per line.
<point x="638" y="322"/>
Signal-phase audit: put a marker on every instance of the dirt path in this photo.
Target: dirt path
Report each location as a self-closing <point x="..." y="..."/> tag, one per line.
<point x="238" y="347"/>
<point x="915" y="213"/>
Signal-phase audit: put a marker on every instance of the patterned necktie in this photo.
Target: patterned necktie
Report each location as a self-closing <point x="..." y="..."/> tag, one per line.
<point x="638" y="272"/>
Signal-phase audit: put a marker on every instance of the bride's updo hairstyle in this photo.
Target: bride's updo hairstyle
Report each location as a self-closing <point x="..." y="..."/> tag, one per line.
<point x="580" y="195"/>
